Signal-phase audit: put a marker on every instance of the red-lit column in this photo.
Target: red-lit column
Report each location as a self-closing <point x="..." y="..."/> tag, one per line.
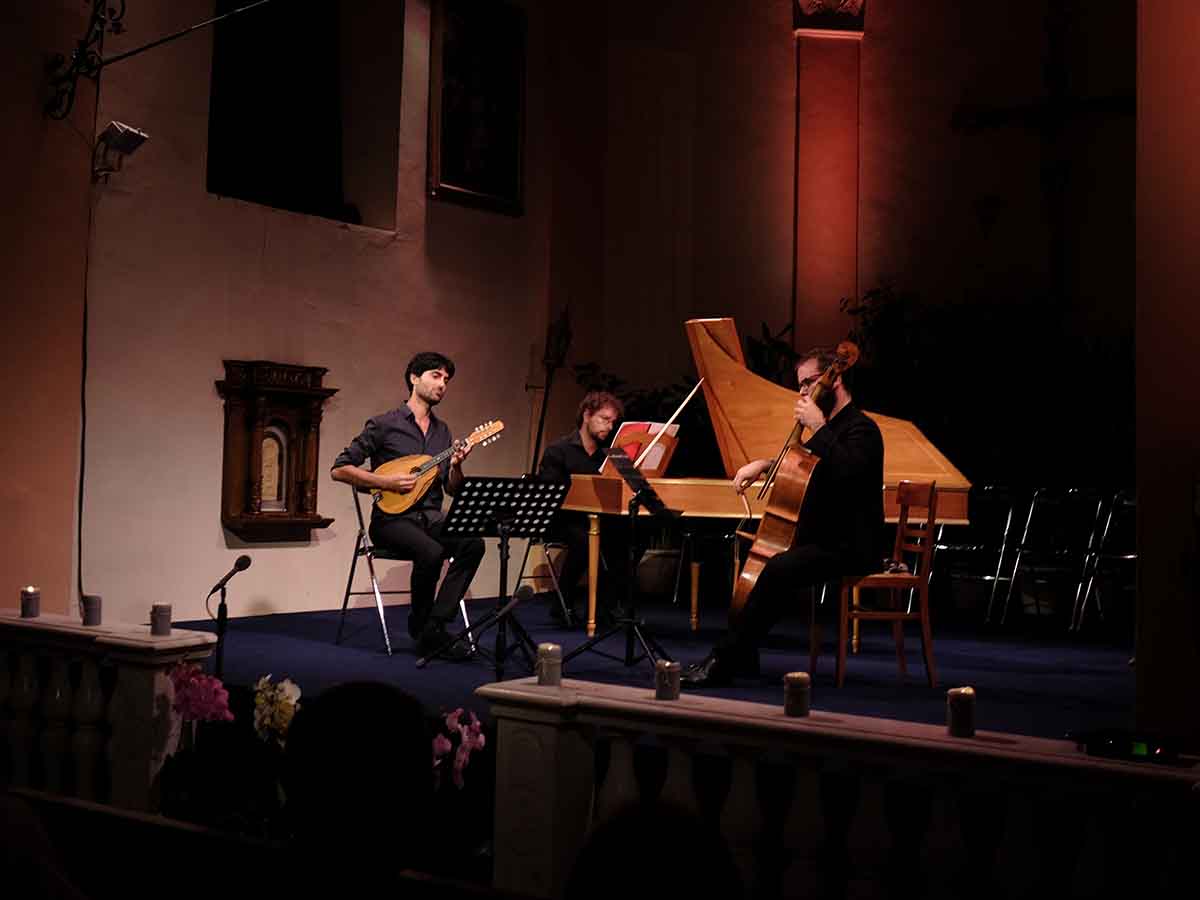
<point x="827" y="173"/>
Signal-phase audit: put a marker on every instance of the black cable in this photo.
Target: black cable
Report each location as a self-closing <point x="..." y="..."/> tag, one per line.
<point x="83" y="356"/>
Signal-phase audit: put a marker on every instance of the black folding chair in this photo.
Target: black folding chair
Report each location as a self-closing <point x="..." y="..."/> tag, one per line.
<point x="977" y="552"/>
<point x="365" y="549"/>
<point x="1060" y="526"/>
<point x="1111" y="554"/>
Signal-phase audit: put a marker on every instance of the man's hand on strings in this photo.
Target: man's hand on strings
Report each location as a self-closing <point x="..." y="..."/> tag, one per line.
<point x="808" y="414"/>
<point x="401" y="484"/>
<point x="461" y="451"/>
<point x="748" y="474"/>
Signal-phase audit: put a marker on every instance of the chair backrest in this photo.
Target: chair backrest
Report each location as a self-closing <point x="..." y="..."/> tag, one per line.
<point x="1062" y="524"/>
<point x="993" y="508"/>
<point x="914" y="534"/>
<point x="1118" y="538"/>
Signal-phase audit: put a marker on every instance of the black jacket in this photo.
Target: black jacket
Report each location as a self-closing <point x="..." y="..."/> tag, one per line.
<point x="567" y="457"/>
<point x="843" y="506"/>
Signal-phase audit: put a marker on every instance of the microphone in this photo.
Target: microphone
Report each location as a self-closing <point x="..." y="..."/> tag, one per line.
<point x="243" y="563"/>
<point x="523" y="593"/>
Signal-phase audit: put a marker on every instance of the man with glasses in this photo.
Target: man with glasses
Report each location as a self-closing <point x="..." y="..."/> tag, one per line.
<point x="580" y="452"/>
<point x="840" y="522"/>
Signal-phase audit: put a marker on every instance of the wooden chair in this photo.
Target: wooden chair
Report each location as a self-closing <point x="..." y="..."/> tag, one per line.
<point x="914" y="546"/>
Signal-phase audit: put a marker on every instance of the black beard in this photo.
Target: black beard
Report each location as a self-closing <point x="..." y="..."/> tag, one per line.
<point x="826" y="401"/>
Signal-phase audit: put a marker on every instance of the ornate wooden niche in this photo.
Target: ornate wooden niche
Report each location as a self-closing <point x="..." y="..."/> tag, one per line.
<point x="272" y="440"/>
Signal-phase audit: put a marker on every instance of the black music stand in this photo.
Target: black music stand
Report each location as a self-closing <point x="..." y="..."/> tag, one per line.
<point x="627" y="620"/>
<point x="503" y="508"/>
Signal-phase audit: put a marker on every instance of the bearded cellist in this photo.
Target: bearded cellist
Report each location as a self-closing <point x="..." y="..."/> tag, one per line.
<point x="840" y="522"/>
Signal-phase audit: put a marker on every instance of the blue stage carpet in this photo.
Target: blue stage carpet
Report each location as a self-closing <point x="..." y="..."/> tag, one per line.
<point x="1046" y="686"/>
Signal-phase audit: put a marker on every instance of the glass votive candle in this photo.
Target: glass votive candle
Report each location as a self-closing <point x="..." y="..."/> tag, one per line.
<point x="960" y="712"/>
<point x="797" y="693"/>
<point x="549" y="664"/>
<point x="667" y="677"/>
<point x="31" y="602"/>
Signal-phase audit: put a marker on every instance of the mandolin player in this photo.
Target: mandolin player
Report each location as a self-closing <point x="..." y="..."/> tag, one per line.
<point x="840" y="521"/>
<point x="415" y="430"/>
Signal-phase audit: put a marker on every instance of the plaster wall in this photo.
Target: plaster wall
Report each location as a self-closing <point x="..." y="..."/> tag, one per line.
<point x="45" y="195"/>
<point x="182" y="279"/>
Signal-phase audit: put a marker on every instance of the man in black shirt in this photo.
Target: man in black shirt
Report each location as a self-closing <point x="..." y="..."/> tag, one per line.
<point x="580" y="452"/>
<point x="411" y="430"/>
<point x="840" y="525"/>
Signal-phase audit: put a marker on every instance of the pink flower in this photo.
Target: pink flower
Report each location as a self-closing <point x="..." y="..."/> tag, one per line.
<point x="463" y="735"/>
<point x="199" y="697"/>
<point x="461" y="757"/>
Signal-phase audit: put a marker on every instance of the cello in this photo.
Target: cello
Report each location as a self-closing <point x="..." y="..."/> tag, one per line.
<point x="787" y="480"/>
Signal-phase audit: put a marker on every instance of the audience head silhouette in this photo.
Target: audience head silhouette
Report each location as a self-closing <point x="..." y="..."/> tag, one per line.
<point x="358" y="771"/>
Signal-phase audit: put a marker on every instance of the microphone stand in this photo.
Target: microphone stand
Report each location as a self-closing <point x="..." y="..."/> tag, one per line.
<point x="222" y="618"/>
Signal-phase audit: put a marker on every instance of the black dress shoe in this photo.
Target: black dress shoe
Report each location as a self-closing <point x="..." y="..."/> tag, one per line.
<point x="712" y="671"/>
<point x="434" y="638"/>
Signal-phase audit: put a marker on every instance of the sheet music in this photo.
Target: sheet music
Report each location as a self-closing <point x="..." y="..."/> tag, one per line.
<point x="654" y="458"/>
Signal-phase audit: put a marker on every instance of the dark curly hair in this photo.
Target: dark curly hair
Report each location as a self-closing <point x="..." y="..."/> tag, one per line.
<point x="594" y="401"/>
<point x="427" y="362"/>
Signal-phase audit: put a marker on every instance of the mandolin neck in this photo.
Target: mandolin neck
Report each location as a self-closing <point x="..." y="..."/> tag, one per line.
<point x="434" y="461"/>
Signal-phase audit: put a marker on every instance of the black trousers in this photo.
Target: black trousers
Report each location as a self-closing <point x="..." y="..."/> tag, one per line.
<point x="780" y="588"/>
<point x="417" y="535"/>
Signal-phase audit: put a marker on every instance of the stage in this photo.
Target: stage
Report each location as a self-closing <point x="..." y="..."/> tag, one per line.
<point x="1038" y="683"/>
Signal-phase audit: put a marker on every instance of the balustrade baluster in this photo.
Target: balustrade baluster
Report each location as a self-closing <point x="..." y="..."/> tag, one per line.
<point x="55" y="708"/>
<point x="5" y="679"/>
<point x="678" y="788"/>
<point x="840" y="793"/>
<point x="23" y="702"/>
<point x="87" y="743"/>
<point x="982" y="817"/>
<point x="908" y="812"/>
<point x="620" y="787"/>
<point x="775" y="788"/>
<point x="1059" y="826"/>
<point x="740" y="817"/>
<point x="802" y="829"/>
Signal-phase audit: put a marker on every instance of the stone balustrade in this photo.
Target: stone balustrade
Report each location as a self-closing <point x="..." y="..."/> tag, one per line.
<point x="86" y="711"/>
<point x="833" y="804"/>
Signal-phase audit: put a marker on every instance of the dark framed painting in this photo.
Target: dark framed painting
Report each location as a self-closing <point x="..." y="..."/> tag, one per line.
<point x="477" y="104"/>
<point x="833" y="18"/>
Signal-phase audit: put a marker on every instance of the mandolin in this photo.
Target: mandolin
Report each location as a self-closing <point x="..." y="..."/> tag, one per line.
<point x="426" y="468"/>
<point x="787" y="481"/>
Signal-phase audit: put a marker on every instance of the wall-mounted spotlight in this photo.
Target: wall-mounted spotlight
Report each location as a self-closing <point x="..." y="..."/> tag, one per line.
<point x="114" y="143"/>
